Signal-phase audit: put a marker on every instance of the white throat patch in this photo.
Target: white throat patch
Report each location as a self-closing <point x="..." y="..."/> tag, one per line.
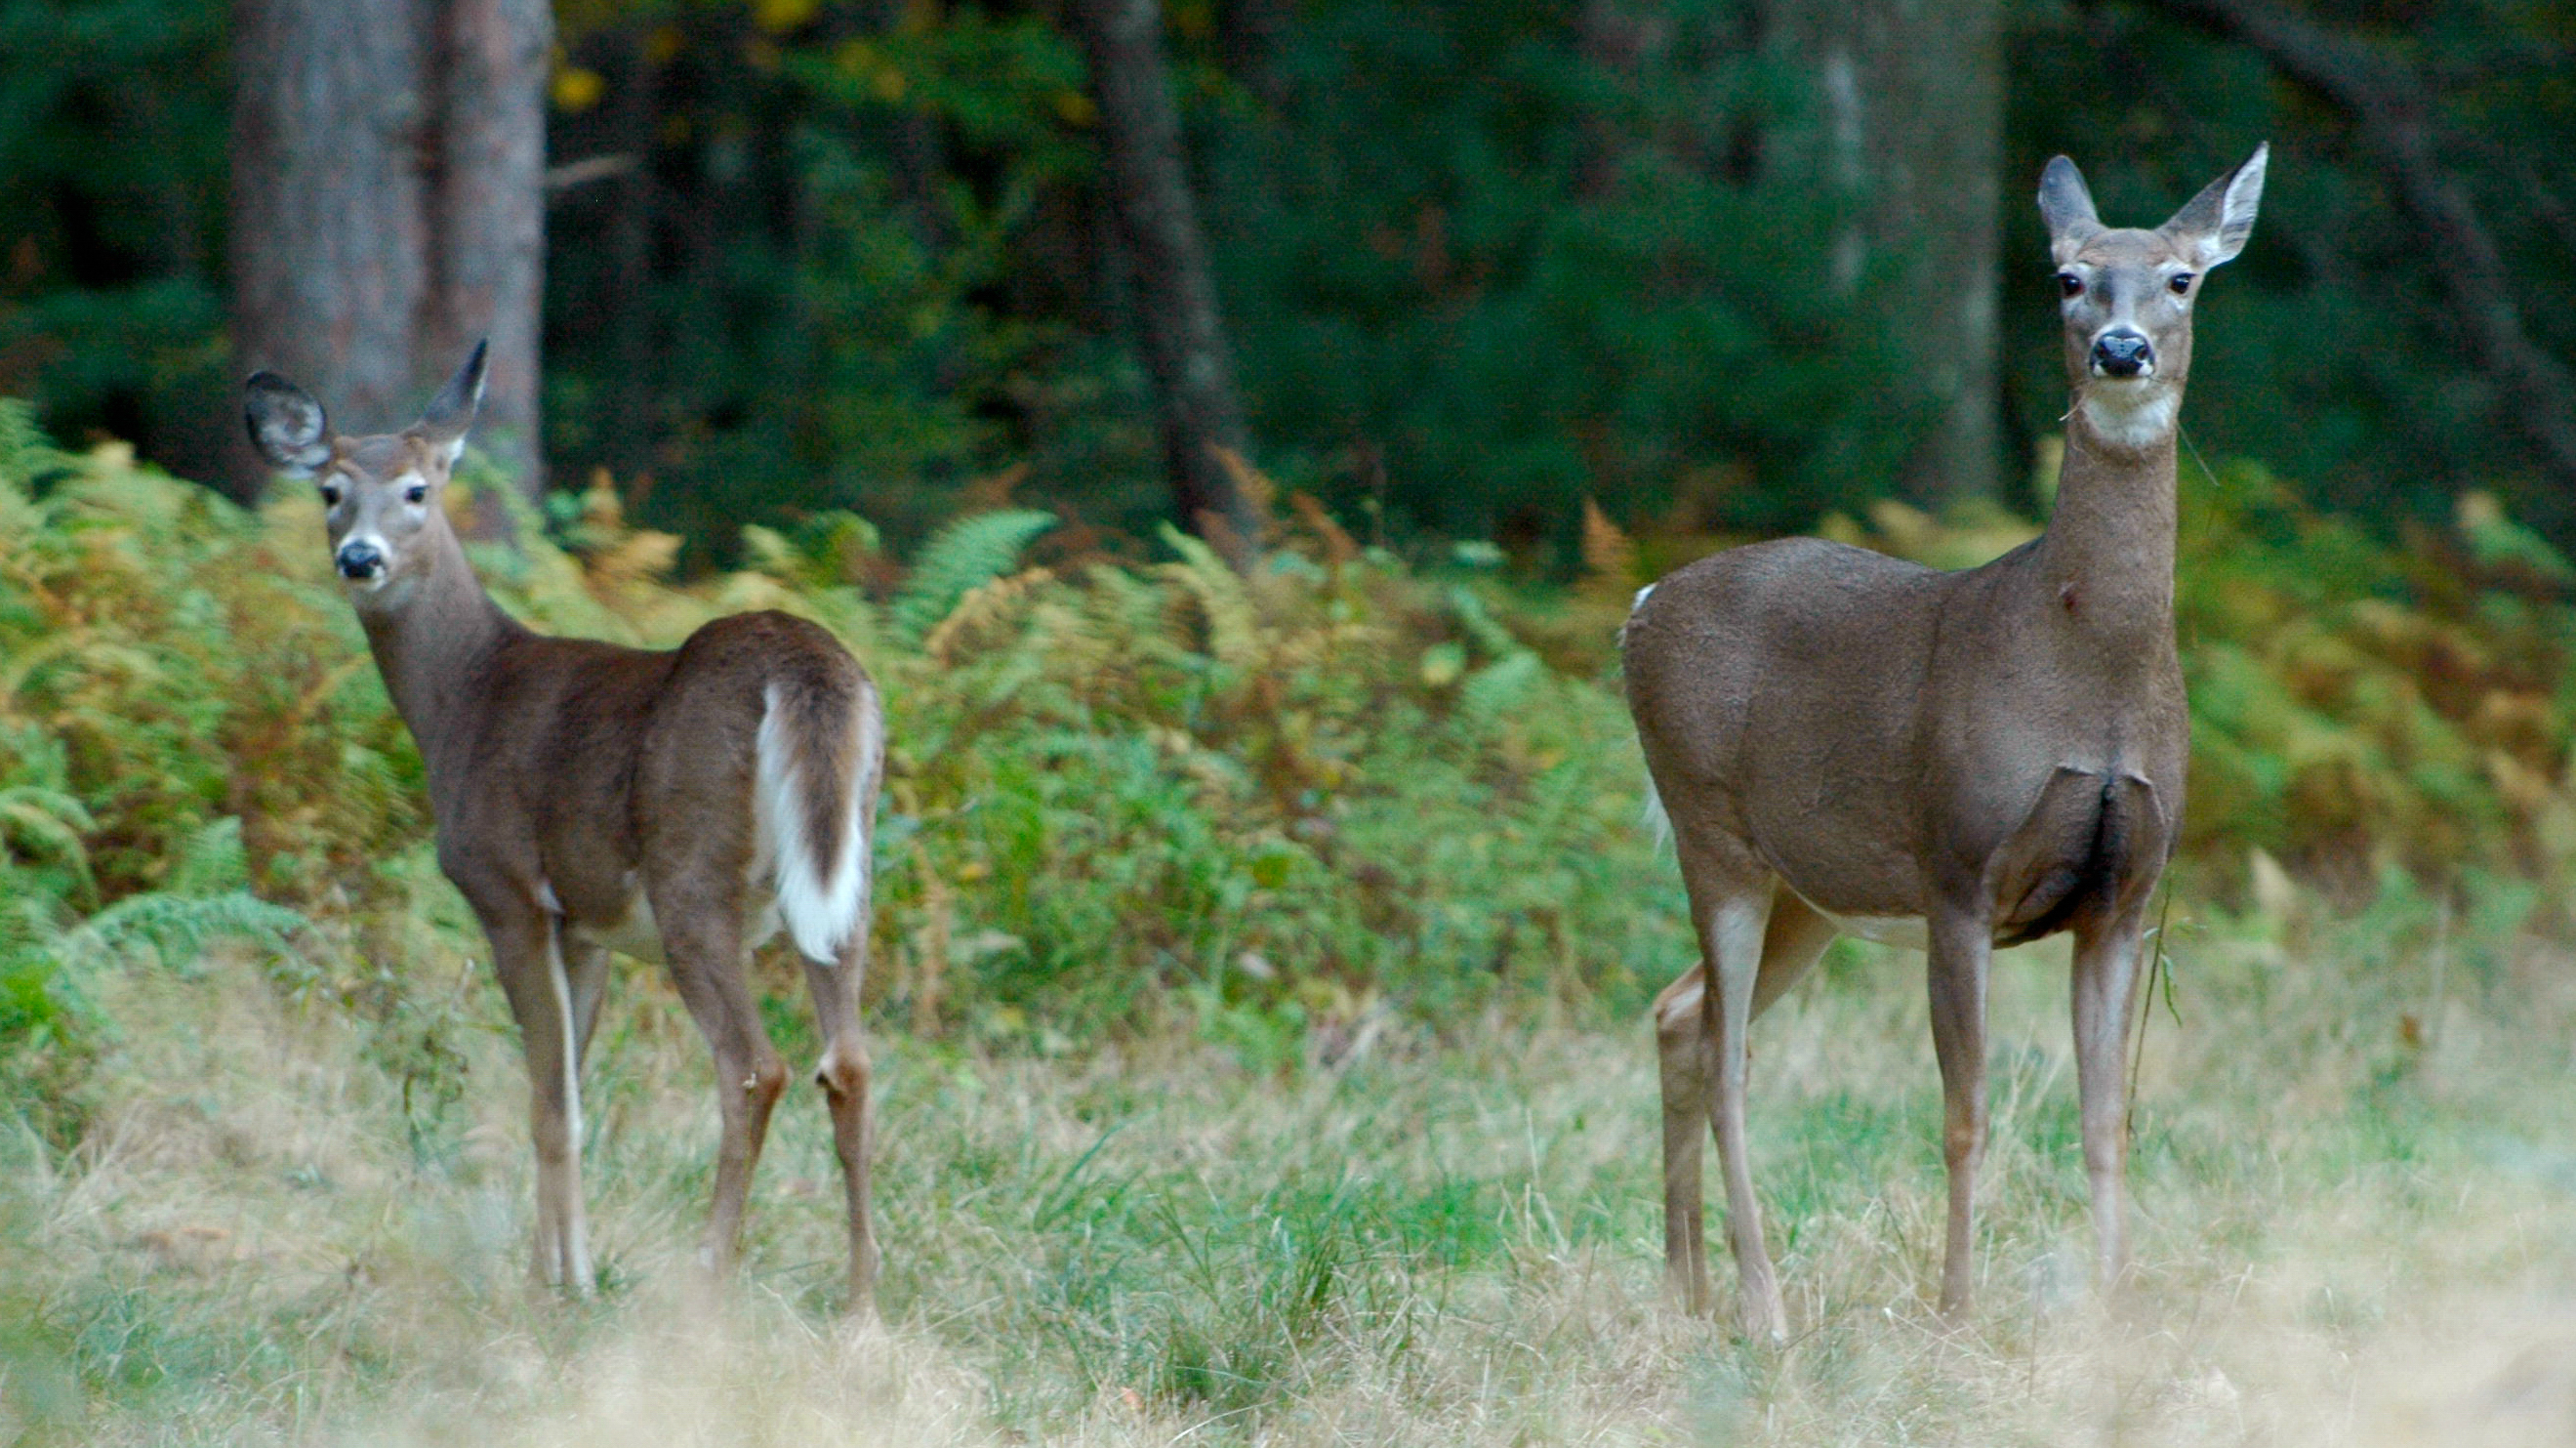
<point x="2134" y="418"/>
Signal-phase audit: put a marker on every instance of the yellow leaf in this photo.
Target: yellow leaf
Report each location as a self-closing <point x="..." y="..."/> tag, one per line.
<point x="577" y="90"/>
<point x="778" y="16"/>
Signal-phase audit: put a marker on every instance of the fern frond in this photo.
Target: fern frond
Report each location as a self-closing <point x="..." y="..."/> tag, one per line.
<point x="982" y="604"/>
<point x="964" y="555"/>
<point x="177" y="928"/>
<point x="1233" y="623"/>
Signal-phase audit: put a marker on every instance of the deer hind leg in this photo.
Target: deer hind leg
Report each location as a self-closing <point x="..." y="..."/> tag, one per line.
<point x="843" y="1075"/>
<point x="1681" y="1050"/>
<point x="527" y="955"/>
<point x="586" y="974"/>
<point x="1961" y="949"/>
<point x="1730" y="895"/>
<point x="2105" y="992"/>
<point x="703" y="942"/>
<point x="1792" y="943"/>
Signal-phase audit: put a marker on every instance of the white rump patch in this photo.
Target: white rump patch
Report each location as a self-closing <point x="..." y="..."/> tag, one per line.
<point x="1641" y="598"/>
<point x="819" y="912"/>
<point x="1658" y="821"/>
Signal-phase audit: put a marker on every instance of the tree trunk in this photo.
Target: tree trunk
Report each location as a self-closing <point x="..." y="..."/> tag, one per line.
<point x="1182" y="336"/>
<point x="388" y="165"/>
<point x="328" y="230"/>
<point x="487" y="222"/>
<point x="1909" y="125"/>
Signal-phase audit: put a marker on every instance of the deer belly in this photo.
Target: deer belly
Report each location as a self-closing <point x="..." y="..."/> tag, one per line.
<point x="638" y="935"/>
<point x="1901" y="930"/>
<point x="635" y="934"/>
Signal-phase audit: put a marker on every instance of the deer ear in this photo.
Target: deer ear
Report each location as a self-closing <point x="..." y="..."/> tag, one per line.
<point x="451" y="412"/>
<point x="2217" y="222"/>
<point x="286" y="424"/>
<point x="2067" y="208"/>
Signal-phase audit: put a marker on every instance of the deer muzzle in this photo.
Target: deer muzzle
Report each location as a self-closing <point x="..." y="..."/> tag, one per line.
<point x="360" y="559"/>
<point x="2122" y="353"/>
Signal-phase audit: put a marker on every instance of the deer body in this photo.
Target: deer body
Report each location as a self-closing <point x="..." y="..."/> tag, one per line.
<point x="1849" y="743"/>
<point x="679" y="806"/>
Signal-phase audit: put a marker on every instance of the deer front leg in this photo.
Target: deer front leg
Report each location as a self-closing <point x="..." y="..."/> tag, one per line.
<point x="526" y="955"/>
<point x="2105" y="994"/>
<point x="1681" y="1051"/>
<point x="1961" y="948"/>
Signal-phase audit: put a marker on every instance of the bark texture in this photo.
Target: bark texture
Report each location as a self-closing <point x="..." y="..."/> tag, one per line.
<point x="1908" y="124"/>
<point x="1179" y="327"/>
<point x="329" y="247"/>
<point x="388" y="164"/>
<point x="487" y="216"/>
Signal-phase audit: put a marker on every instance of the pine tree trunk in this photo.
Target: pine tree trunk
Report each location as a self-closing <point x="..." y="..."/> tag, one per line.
<point x="387" y="195"/>
<point x="329" y="254"/>
<point x="1181" y="333"/>
<point x="487" y="222"/>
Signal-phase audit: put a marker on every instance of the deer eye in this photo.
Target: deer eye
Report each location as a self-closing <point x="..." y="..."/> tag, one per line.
<point x="330" y="495"/>
<point x="416" y="493"/>
<point x="2181" y="284"/>
<point x="2069" y="284"/>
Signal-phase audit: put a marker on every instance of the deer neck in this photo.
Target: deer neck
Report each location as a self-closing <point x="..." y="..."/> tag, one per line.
<point x="2107" y="560"/>
<point x="431" y="644"/>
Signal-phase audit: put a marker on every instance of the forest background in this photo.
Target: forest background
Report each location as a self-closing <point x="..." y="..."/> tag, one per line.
<point x="1722" y="266"/>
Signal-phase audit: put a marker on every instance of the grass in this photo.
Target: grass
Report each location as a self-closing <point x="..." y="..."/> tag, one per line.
<point x="297" y="1219"/>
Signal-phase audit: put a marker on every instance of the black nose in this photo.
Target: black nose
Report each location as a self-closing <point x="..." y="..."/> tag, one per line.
<point x="361" y="560"/>
<point x="2122" y="354"/>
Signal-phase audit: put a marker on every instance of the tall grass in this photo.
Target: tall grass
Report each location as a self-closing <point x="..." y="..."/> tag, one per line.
<point x="2351" y="1178"/>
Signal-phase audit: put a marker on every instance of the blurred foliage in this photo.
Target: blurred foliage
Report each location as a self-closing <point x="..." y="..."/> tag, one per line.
<point x="852" y="256"/>
<point x="1128" y="794"/>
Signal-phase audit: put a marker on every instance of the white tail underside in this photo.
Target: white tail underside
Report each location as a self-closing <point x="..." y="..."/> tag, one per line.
<point x="820" y="912"/>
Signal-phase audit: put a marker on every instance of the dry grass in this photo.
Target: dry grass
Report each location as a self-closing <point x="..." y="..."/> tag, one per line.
<point x="2355" y="1228"/>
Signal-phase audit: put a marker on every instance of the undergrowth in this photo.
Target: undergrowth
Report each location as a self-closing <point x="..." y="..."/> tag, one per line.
<point x="1275" y="809"/>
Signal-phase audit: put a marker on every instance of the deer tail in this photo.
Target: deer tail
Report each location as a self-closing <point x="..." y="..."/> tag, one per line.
<point x="821" y="752"/>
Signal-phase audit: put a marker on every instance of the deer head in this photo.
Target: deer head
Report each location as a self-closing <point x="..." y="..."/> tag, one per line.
<point x="381" y="493"/>
<point x="2126" y="294"/>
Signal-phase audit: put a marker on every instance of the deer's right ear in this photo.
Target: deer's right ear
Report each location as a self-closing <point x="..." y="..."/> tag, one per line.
<point x="2067" y="207"/>
<point x="451" y="412"/>
<point x="286" y="424"/>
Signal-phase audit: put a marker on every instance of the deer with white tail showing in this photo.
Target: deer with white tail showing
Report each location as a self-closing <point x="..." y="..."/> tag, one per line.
<point x="675" y="806"/>
<point x="1849" y="743"/>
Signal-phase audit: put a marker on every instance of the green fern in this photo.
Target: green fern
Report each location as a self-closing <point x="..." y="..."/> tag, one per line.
<point x="27" y="457"/>
<point x="964" y="555"/>
<point x="177" y="928"/>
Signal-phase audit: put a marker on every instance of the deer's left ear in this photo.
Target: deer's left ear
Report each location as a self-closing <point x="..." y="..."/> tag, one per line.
<point x="286" y="424"/>
<point x="451" y="412"/>
<point x="2216" y="223"/>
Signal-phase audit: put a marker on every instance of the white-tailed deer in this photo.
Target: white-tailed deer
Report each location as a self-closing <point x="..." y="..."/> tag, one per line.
<point x="1849" y="743"/>
<point x="675" y="806"/>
